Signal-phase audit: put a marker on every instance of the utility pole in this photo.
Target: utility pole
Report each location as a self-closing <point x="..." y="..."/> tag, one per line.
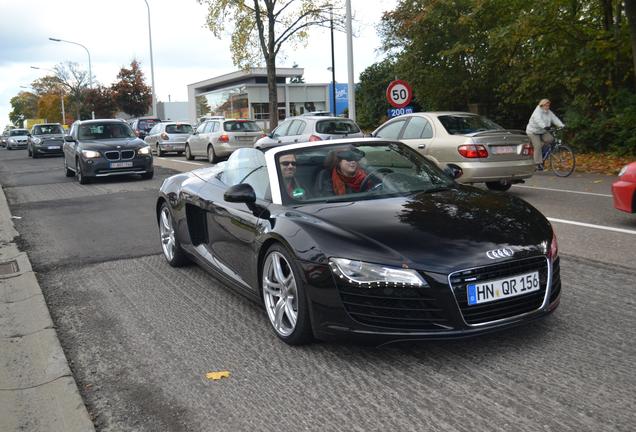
<point x="333" y="69"/>
<point x="351" y="88"/>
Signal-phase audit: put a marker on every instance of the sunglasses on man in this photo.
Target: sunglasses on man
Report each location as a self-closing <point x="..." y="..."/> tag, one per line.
<point x="288" y="163"/>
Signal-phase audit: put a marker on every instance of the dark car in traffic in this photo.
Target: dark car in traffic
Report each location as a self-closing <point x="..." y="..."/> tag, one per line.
<point x="395" y="251"/>
<point x="46" y="139"/>
<point x="103" y="148"/>
<point x="142" y="125"/>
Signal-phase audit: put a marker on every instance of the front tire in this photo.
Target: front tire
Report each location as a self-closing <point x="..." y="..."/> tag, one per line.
<point x="81" y="178"/>
<point x="284" y="296"/>
<point x="169" y="243"/>
<point x="148" y="175"/>
<point x="562" y="161"/>
<point x="188" y="154"/>
<point x="501" y="185"/>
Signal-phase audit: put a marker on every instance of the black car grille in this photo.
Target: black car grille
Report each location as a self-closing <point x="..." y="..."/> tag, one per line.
<point x="392" y="307"/>
<point x="499" y="309"/>
<point x="114" y="155"/>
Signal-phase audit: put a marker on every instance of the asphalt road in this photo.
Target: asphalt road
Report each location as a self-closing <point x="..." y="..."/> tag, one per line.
<point x="141" y="335"/>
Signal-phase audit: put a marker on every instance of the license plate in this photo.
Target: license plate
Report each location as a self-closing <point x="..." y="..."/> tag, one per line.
<point x="121" y="164"/>
<point x="245" y="139"/>
<point x="503" y="149"/>
<point x="53" y="147"/>
<point x="502" y="288"/>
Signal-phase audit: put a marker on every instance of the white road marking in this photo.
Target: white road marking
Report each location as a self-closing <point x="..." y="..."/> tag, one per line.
<point x="180" y="161"/>
<point x="564" y="190"/>
<point x="587" y="225"/>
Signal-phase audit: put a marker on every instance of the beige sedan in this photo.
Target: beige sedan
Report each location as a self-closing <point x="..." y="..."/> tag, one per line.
<point x="477" y="149"/>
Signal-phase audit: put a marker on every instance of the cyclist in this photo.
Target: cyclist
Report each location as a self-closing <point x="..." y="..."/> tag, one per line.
<point x="541" y="119"/>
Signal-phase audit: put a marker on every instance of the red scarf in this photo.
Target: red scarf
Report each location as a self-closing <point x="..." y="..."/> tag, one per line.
<point x="341" y="181"/>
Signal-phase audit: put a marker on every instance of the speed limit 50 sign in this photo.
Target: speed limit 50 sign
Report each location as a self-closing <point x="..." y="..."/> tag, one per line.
<point x="399" y="93"/>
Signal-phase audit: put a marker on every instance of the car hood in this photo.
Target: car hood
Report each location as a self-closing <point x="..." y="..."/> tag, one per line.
<point x="440" y="231"/>
<point x="113" y="144"/>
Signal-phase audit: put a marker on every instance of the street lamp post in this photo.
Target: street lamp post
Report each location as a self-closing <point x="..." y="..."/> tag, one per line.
<point x="61" y="94"/>
<point x="90" y="70"/>
<point x="152" y="66"/>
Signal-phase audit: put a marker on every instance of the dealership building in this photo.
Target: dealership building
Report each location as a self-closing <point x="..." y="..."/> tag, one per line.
<point x="244" y="94"/>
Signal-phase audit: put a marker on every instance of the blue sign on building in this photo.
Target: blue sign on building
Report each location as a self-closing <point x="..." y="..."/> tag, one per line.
<point x="342" y="98"/>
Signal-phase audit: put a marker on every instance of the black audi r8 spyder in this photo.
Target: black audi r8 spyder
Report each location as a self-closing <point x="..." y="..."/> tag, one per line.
<point x="362" y="238"/>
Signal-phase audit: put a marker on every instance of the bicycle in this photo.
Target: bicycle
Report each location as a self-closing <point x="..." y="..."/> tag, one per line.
<point x="561" y="156"/>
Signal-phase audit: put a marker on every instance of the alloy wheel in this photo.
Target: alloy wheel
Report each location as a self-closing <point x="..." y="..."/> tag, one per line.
<point x="280" y="294"/>
<point x="166" y="231"/>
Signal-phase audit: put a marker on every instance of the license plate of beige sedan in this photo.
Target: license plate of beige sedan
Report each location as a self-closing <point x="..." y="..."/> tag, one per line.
<point x="503" y="149"/>
<point x="499" y="289"/>
<point x="121" y="164"/>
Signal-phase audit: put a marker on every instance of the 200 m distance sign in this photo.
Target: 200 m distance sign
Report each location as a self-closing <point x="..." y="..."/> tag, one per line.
<point x="399" y="93"/>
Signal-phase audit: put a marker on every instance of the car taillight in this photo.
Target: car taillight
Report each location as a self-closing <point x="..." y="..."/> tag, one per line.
<point x="164" y="136"/>
<point x="224" y="138"/>
<point x="527" y="150"/>
<point x="554" y="248"/>
<point x="315" y="138"/>
<point x="473" y="151"/>
<point x="263" y="135"/>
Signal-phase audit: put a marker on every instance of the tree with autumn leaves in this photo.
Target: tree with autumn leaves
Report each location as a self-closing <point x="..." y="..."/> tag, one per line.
<point x="130" y="94"/>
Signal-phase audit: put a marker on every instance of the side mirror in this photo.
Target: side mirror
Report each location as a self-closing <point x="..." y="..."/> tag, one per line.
<point x="453" y="171"/>
<point x="270" y="135"/>
<point x="69" y="138"/>
<point x="240" y="193"/>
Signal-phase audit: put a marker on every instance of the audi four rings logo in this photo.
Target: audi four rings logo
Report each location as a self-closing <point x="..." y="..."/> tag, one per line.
<point x="499" y="253"/>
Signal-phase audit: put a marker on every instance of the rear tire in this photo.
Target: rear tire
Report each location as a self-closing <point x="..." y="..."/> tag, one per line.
<point x="212" y="157"/>
<point x="170" y="245"/>
<point x="188" y="155"/>
<point x="68" y="172"/>
<point x="159" y="151"/>
<point x="562" y="161"/>
<point x="501" y="185"/>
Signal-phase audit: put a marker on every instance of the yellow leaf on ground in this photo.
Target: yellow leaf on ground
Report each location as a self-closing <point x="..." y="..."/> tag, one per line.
<point x="217" y="375"/>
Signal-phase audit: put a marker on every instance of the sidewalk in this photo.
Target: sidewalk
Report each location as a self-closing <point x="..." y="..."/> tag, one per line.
<point x="37" y="390"/>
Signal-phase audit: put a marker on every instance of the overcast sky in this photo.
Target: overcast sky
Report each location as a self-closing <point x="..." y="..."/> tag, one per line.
<point x="184" y="50"/>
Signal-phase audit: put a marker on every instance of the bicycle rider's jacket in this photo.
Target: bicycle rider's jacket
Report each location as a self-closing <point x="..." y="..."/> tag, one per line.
<point x="540" y="119"/>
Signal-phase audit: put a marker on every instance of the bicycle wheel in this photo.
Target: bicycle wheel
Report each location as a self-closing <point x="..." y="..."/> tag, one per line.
<point x="562" y="160"/>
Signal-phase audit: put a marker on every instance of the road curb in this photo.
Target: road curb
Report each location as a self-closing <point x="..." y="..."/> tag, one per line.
<point x="37" y="389"/>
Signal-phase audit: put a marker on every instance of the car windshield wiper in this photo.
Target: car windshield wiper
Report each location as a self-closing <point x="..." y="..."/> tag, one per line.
<point x="250" y="173"/>
<point x="437" y="189"/>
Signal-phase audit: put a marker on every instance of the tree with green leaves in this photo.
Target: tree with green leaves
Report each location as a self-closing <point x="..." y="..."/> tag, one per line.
<point x="262" y="27"/>
<point x="371" y="103"/>
<point x="25" y="105"/>
<point x="131" y="93"/>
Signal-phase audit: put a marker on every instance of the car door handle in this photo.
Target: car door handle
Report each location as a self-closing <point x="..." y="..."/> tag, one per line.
<point x="279" y="141"/>
<point x="421" y="146"/>
<point x="296" y="140"/>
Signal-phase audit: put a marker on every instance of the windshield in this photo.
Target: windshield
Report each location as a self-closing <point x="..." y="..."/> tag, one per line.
<point x="18" y="132"/>
<point x="356" y="172"/>
<point x="337" y="127"/>
<point x="466" y="124"/>
<point x="99" y="131"/>
<point x="179" y="129"/>
<point x="47" y="130"/>
<point x="241" y="126"/>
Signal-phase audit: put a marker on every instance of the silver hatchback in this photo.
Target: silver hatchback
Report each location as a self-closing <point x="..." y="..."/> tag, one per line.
<point x="310" y="128"/>
<point x="216" y="138"/>
<point x="169" y="137"/>
<point x="476" y="149"/>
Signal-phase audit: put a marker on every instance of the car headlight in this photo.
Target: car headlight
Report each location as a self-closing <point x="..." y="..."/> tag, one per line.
<point x="36" y="140"/>
<point x="144" y="151"/>
<point x="622" y="171"/>
<point x="11" y="140"/>
<point x="367" y="274"/>
<point x="90" y="154"/>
